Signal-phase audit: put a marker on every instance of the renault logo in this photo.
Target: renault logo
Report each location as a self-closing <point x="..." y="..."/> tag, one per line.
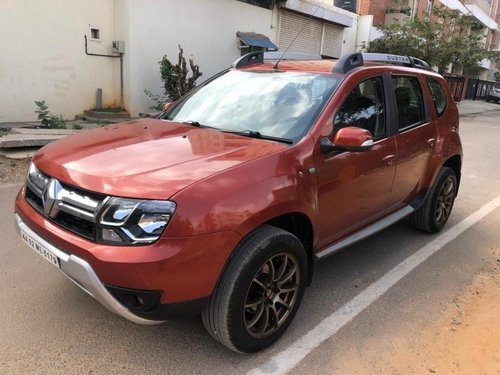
<point x="51" y="198"/>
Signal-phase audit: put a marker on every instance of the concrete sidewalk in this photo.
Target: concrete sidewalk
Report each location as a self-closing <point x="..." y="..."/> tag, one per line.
<point x="476" y="107"/>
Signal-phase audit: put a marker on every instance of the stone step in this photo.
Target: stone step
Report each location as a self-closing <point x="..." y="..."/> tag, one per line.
<point x="43" y="131"/>
<point x="19" y="152"/>
<point x="28" y="140"/>
<point x="12" y="125"/>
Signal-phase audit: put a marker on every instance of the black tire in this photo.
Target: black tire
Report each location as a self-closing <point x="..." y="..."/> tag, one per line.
<point x="435" y="211"/>
<point x="228" y="320"/>
<point x="487" y="100"/>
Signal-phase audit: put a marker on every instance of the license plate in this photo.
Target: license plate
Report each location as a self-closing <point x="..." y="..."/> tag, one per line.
<point x="44" y="252"/>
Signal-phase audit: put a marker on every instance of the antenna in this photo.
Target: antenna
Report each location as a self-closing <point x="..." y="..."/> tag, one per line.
<point x="276" y="66"/>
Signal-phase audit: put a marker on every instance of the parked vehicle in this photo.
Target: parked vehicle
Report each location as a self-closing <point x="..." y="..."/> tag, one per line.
<point x="493" y="93"/>
<point x="224" y="203"/>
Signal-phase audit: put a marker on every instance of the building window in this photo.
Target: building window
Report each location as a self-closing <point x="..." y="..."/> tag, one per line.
<point x="349" y="5"/>
<point x="428" y="10"/>
<point x="268" y="4"/>
<point x="95" y="33"/>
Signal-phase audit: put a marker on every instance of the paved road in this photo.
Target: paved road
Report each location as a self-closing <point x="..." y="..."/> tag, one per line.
<point x="48" y="325"/>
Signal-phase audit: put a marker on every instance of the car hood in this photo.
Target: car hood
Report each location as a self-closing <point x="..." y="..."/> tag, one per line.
<point x="147" y="158"/>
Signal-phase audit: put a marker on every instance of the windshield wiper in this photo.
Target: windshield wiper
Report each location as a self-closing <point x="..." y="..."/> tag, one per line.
<point x="258" y="135"/>
<point x="194" y="123"/>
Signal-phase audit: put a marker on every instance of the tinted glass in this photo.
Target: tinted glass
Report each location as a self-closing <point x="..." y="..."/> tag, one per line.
<point x="409" y="100"/>
<point x="438" y="96"/>
<point x="276" y="104"/>
<point x="364" y="108"/>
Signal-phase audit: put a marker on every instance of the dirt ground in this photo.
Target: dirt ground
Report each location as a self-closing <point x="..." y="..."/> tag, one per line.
<point x="13" y="170"/>
<point x="464" y="340"/>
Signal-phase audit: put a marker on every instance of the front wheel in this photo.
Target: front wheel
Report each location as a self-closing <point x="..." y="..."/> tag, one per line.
<point x="436" y="210"/>
<point x="260" y="291"/>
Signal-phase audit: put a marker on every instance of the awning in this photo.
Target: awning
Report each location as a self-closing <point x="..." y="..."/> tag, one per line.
<point x="256" y="40"/>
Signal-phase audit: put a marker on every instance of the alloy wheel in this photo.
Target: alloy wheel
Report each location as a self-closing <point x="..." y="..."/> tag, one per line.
<point x="445" y="201"/>
<point x="272" y="295"/>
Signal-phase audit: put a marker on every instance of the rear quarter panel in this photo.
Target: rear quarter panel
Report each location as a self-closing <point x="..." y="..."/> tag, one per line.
<point x="448" y="143"/>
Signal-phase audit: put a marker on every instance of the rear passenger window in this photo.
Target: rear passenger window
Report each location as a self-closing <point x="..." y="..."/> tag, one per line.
<point x="364" y="108"/>
<point x="438" y="95"/>
<point x="409" y="100"/>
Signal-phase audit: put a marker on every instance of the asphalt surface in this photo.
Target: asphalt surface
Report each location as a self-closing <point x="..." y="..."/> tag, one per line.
<point x="49" y="326"/>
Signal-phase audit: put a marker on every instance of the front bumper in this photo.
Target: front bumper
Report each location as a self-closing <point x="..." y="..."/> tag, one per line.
<point x="81" y="273"/>
<point x="181" y="271"/>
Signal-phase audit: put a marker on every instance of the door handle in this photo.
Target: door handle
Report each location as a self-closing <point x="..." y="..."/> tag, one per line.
<point x="431" y="142"/>
<point x="389" y="159"/>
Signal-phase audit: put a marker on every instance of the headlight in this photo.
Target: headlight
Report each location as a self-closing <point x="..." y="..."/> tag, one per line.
<point x="134" y="221"/>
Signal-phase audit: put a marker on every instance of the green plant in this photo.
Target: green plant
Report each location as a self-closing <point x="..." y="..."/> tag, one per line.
<point x="48" y="120"/>
<point x="43" y="109"/>
<point x="103" y="122"/>
<point x="159" y="100"/>
<point x="77" y="127"/>
<point x="4" y="132"/>
<point x="177" y="79"/>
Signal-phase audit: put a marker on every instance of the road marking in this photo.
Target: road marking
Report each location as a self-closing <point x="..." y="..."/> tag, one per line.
<point x="286" y="360"/>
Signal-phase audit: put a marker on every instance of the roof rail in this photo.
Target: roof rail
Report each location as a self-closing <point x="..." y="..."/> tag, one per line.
<point x="260" y="56"/>
<point x="348" y="62"/>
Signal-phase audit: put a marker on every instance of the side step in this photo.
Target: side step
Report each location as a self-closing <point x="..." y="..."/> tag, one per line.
<point x="365" y="232"/>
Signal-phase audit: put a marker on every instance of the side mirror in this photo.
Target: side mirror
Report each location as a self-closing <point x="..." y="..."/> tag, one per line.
<point x="348" y="139"/>
<point x="167" y="105"/>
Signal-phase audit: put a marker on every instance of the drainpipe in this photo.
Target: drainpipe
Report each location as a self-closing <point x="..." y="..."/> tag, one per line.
<point x="120" y="56"/>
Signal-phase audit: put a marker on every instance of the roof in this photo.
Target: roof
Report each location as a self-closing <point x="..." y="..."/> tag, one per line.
<point x="312" y="66"/>
<point x="256" y="40"/>
<point x="292" y="61"/>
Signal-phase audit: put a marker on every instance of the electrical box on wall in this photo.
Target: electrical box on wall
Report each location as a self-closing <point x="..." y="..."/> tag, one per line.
<point x="118" y="46"/>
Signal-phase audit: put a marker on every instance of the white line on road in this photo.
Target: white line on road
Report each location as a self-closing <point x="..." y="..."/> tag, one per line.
<point x="287" y="359"/>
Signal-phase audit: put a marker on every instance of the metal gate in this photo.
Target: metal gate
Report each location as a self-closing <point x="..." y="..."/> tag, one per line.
<point x="478" y="88"/>
<point x="456" y="84"/>
<point x="303" y="34"/>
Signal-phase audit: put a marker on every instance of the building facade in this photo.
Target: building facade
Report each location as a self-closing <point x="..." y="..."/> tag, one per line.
<point x="45" y="55"/>
<point x="486" y="12"/>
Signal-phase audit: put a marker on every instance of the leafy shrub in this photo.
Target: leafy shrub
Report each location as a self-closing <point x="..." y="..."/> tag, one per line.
<point x="49" y="120"/>
<point x="175" y="78"/>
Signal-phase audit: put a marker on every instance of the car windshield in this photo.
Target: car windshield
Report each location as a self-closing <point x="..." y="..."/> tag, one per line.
<point x="269" y="104"/>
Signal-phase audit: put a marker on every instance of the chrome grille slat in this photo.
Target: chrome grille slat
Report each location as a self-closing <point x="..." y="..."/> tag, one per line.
<point x="35" y="189"/>
<point x="73" y="209"/>
<point x="80" y="201"/>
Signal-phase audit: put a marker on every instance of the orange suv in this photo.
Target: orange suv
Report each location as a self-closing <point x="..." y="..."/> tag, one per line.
<point x="223" y="203"/>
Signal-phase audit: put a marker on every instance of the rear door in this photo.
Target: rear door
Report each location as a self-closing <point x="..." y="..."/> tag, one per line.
<point x="415" y="139"/>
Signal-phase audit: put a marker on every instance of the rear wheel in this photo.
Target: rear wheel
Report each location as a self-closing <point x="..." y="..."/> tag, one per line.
<point x="260" y="291"/>
<point x="436" y="210"/>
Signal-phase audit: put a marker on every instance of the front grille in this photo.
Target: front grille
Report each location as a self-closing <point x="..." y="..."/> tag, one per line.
<point x="72" y="208"/>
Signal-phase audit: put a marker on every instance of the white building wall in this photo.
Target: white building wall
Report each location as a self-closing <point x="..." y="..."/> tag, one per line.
<point x="204" y="29"/>
<point x="42" y="56"/>
<point x="42" y="48"/>
<point x="349" y="42"/>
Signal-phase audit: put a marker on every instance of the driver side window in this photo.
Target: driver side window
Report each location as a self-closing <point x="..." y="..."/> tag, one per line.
<point x="364" y="108"/>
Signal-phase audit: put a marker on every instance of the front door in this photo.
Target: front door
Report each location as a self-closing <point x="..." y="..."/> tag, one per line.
<point x="354" y="187"/>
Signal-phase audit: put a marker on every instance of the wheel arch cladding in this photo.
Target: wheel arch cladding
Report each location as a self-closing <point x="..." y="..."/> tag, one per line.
<point x="455" y="163"/>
